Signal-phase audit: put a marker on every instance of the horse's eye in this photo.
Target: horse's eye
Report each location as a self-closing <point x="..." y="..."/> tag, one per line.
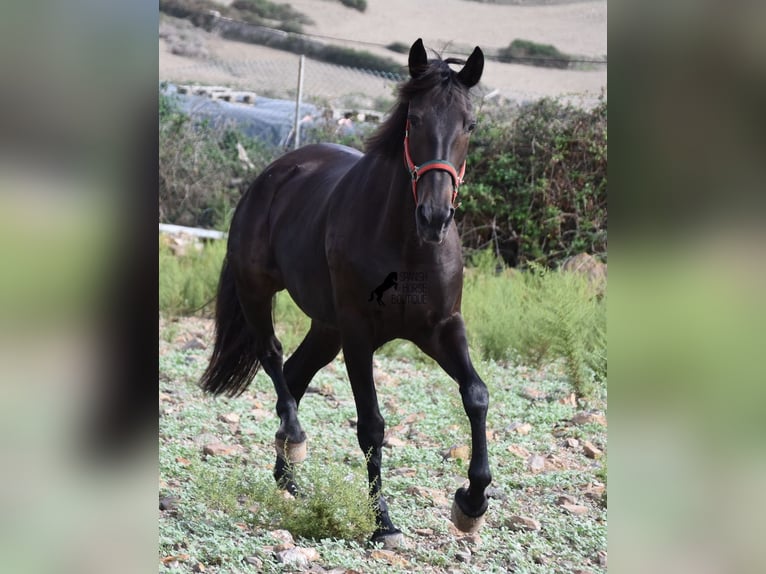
<point x="414" y="121"/>
<point x="471" y="127"/>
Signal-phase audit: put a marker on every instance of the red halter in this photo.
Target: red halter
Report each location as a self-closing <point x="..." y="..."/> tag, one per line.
<point x="416" y="171"/>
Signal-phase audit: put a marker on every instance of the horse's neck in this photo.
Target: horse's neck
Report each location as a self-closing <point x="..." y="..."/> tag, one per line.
<point x="398" y="212"/>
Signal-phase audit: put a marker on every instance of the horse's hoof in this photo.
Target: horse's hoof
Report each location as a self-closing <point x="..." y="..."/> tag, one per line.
<point x="461" y="520"/>
<point x="390" y="540"/>
<point x="292" y="452"/>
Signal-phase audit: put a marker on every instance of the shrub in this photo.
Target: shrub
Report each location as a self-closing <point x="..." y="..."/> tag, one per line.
<point x="200" y="173"/>
<point x="333" y="503"/>
<point x="360" y="5"/>
<point x="188" y="283"/>
<point x="537" y="184"/>
<point x="527" y="52"/>
<point x="536" y="316"/>
<point x="399" y="47"/>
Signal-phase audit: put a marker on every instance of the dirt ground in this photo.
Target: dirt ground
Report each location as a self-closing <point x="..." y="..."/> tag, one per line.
<point x="448" y="26"/>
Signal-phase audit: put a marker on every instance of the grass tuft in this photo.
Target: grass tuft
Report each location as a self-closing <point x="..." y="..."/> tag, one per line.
<point x="536" y="316"/>
<point x="333" y="503"/>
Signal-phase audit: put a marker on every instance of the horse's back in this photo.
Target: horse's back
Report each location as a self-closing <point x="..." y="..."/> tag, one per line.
<point x="277" y="233"/>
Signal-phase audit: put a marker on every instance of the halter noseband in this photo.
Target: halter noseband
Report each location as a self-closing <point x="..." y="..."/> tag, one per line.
<point x="416" y="171"/>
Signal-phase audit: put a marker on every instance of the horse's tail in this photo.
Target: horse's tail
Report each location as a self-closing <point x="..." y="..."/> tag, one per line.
<point x="233" y="363"/>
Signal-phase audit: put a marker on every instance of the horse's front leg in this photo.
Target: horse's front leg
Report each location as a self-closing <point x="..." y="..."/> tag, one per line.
<point x="357" y="353"/>
<point x="447" y="344"/>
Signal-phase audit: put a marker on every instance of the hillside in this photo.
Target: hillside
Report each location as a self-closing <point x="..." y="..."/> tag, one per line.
<point x="449" y="26"/>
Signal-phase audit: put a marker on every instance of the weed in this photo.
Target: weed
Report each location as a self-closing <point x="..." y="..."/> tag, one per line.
<point x="333" y="503"/>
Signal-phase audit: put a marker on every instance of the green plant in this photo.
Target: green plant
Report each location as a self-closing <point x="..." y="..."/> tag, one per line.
<point x="537" y="183"/>
<point x="538" y="316"/>
<point x="200" y="172"/>
<point x="188" y="283"/>
<point x="360" y="5"/>
<point x="527" y="52"/>
<point x="333" y="503"/>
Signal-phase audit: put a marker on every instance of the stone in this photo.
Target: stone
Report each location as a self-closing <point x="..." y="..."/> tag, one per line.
<point x="591" y="451"/>
<point x="536" y="463"/>
<point x="220" y="449"/>
<point x="519" y="451"/>
<point x="573" y="443"/>
<point x="565" y="499"/>
<point x="575" y="509"/>
<point x="454" y="452"/>
<point x="517" y="522"/>
<point x="169" y="503"/>
<point x="585" y="417"/>
<point x="389" y="556"/>
<point x="229" y="418"/>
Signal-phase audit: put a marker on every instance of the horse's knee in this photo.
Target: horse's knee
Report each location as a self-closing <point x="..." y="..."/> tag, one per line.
<point x="475" y="398"/>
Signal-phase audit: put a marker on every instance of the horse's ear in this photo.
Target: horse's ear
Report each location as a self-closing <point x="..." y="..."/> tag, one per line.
<point x="418" y="61"/>
<point x="470" y="75"/>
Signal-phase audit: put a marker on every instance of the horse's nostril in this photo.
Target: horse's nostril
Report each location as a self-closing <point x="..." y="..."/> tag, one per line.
<point x="422" y="214"/>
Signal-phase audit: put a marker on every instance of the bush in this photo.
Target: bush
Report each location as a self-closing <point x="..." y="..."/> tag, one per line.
<point x="526" y="52"/>
<point x="360" y="5"/>
<point x="188" y="283"/>
<point x="536" y="316"/>
<point x="200" y="173"/>
<point x="537" y="184"/>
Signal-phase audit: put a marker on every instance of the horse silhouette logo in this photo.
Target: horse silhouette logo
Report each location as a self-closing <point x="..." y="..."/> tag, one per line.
<point x="388" y="282"/>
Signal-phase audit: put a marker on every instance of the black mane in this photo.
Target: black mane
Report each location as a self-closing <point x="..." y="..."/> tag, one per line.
<point x="387" y="139"/>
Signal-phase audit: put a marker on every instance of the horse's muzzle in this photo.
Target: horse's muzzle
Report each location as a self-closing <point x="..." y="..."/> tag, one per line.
<point x="432" y="223"/>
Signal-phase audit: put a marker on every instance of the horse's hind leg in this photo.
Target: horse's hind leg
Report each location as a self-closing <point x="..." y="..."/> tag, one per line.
<point x="319" y="347"/>
<point x="290" y="439"/>
<point x="448" y="345"/>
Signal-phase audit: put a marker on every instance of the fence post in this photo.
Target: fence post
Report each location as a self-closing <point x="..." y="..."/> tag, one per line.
<point x="298" y="103"/>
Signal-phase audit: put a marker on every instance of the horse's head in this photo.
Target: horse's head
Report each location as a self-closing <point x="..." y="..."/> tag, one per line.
<point x="439" y="123"/>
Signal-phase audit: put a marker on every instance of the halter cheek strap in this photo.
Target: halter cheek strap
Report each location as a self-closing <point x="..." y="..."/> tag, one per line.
<point x="416" y="171"/>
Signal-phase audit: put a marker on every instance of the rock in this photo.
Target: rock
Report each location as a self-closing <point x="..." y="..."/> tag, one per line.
<point x="424" y="531"/>
<point x="536" y="463"/>
<point x="183" y="461"/>
<point x="575" y="509"/>
<point x="254" y="561"/>
<point x="454" y="452"/>
<point x="601" y="558"/>
<point x="193" y="343"/>
<point x="293" y="557"/>
<point x="229" y="418"/>
<point x="519" y="451"/>
<point x="463" y="556"/>
<point x="495" y="493"/>
<point x="220" y="449"/>
<point x="198" y="567"/>
<point x="169" y="503"/>
<point x="436" y="497"/>
<point x="573" y="443"/>
<point x="393" y="441"/>
<point x="284" y="536"/>
<point x="584" y="418"/>
<point x="591" y="451"/>
<point x="520" y="428"/>
<point x="389" y="556"/>
<point x="407" y="472"/>
<point x="565" y="499"/>
<point x="517" y="522"/>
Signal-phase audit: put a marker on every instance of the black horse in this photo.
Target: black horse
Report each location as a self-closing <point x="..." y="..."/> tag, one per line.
<point x="388" y="282"/>
<point x="326" y="222"/>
